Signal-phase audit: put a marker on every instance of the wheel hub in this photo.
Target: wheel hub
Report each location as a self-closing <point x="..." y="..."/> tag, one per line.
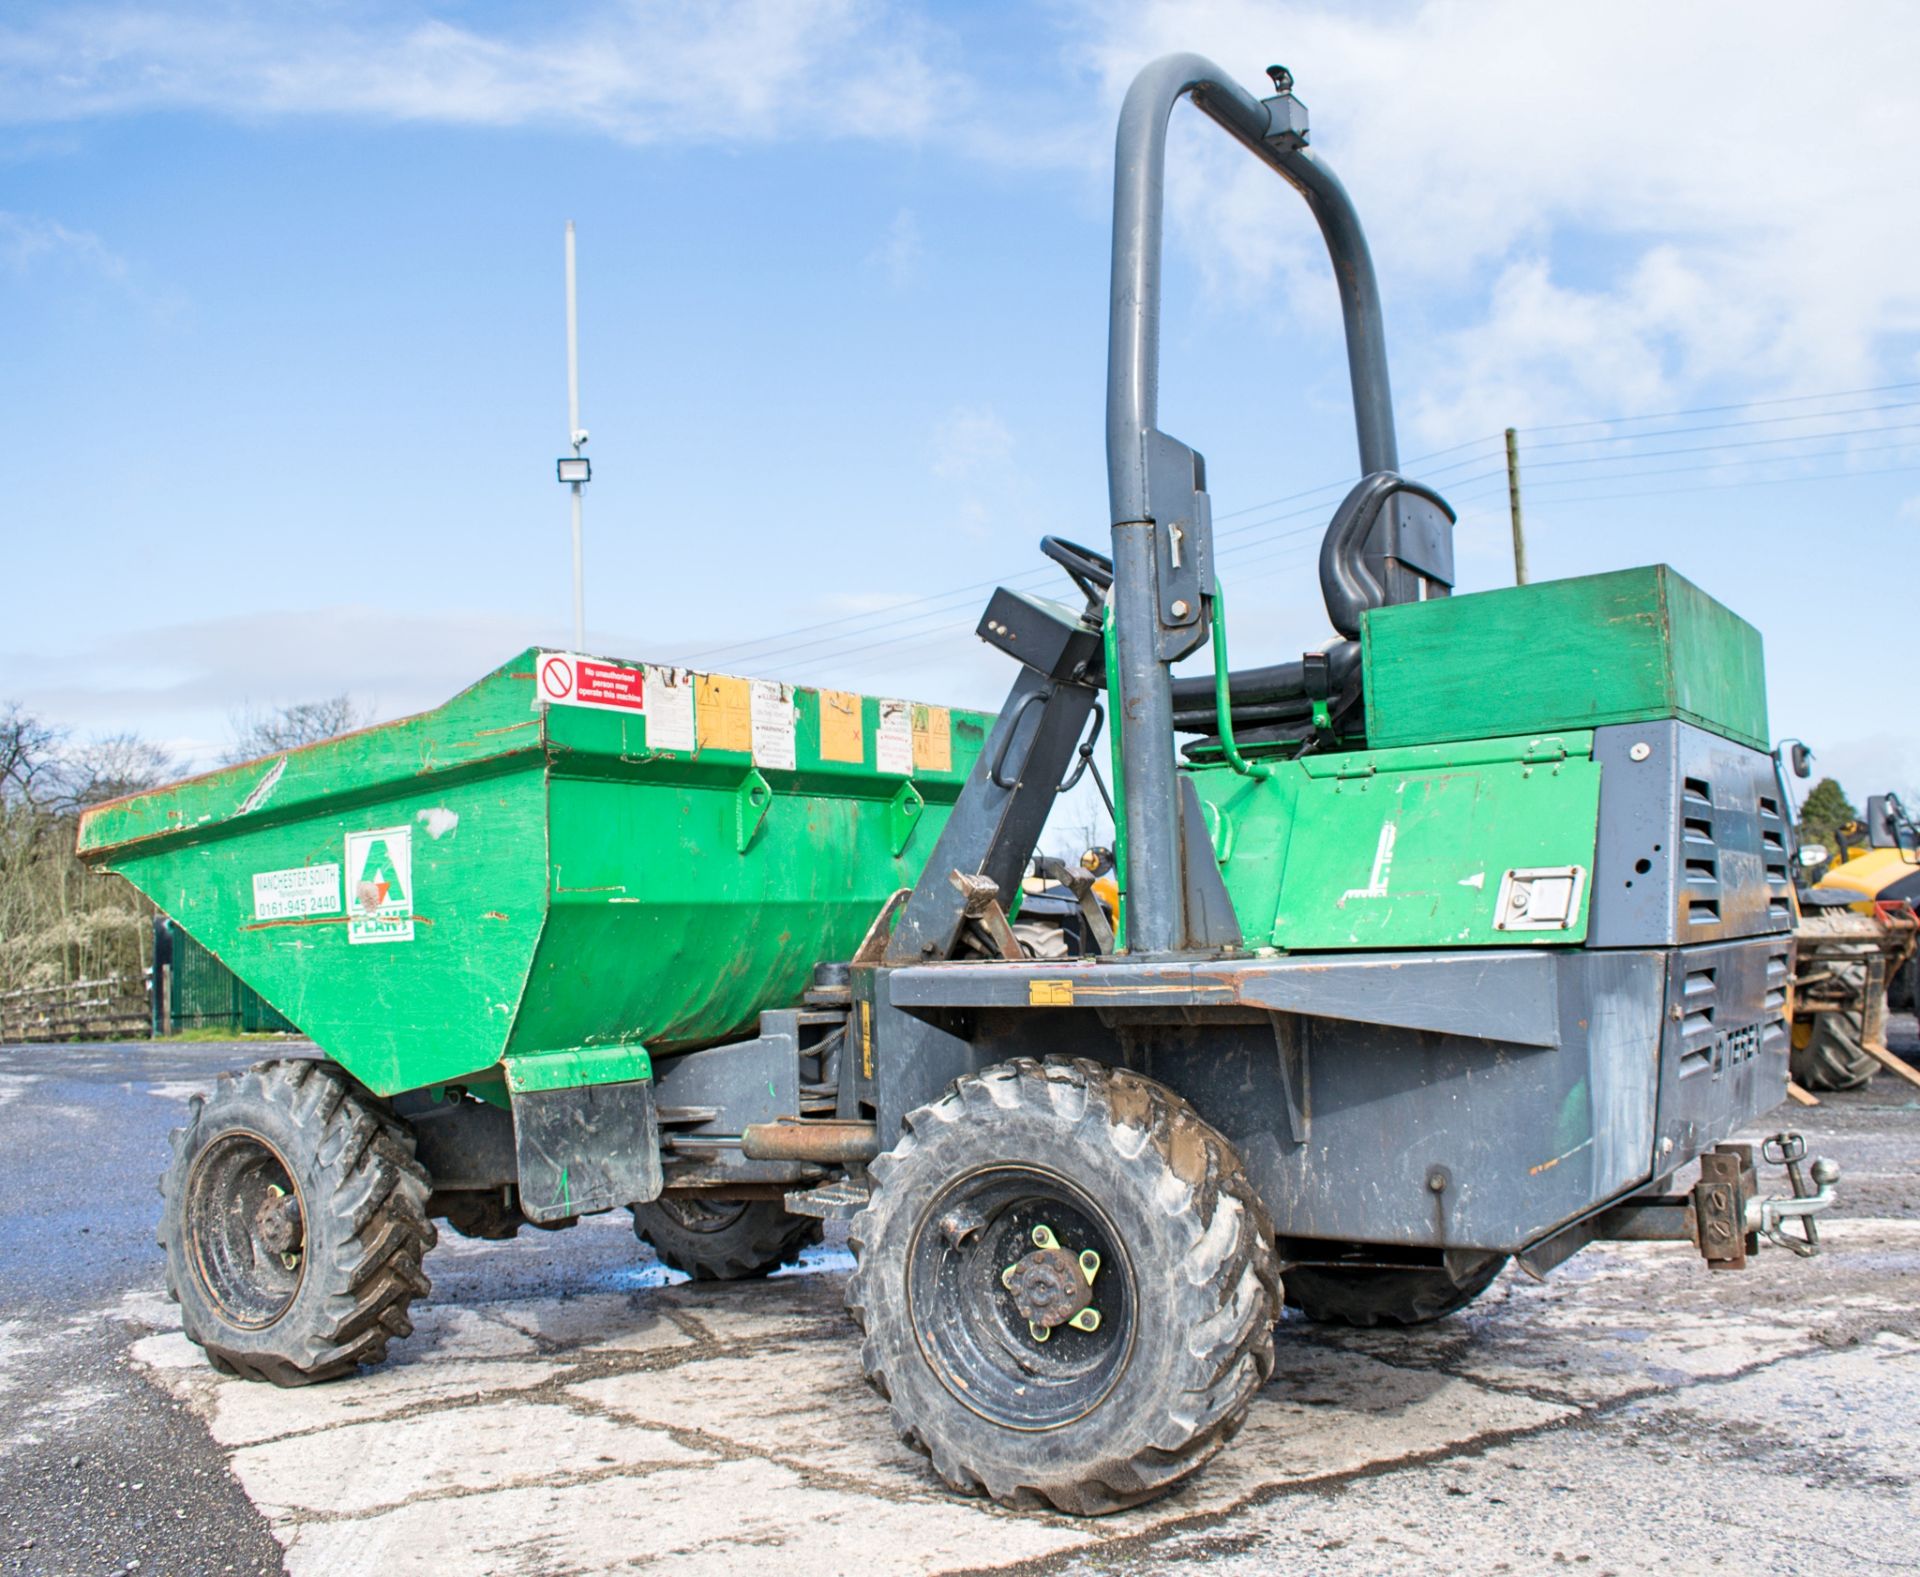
<point x="278" y="1225"/>
<point x="1052" y="1286"/>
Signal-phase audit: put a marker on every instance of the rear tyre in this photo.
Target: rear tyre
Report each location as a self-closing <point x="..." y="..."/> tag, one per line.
<point x="1367" y="1296"/>
<point x="478" y="1213"/>
<point x="723" y="1239"/>
<point x="968" y="1251"/>
<point x="1834" y="1056"/>
<point x="293" y="1216"/>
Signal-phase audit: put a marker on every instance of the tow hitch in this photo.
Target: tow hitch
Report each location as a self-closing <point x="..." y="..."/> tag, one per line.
<point x="1770" y="1216"/>
<point x="1724" y="1215"/>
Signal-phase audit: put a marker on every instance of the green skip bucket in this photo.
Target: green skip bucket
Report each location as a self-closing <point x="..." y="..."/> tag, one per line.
<point x="575" y="855"/>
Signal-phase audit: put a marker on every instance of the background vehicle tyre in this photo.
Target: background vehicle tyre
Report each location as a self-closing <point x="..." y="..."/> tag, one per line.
<point x="1366" y="1296"/>
<point x="1066" y="1286"/>
<point x="723" y="1239"/>
<point x="1833" y="1057"/>
<point x="293" y="1216"/>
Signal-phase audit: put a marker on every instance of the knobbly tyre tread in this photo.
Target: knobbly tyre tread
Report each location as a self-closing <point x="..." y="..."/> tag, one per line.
<point x="759" y="1241"/>
<point x="1367" y="1298"/>
<point x="1834" y="1057"/>
<point x="367" y="1229"/>
<point x="1223" y="1274"/>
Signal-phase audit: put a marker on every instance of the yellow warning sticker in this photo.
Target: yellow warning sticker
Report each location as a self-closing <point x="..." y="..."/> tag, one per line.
<point x="932" y="739"/>
<point x="725" y="713"/>
<point x="1050" y="993"/>
<point x="842" y="737"/>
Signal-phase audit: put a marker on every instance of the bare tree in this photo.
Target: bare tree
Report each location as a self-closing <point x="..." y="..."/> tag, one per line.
<point x="29" y="756"/>
<point x="266" y="731"/>
<point x="58" y="920"/>
<point x="107" y="768"/>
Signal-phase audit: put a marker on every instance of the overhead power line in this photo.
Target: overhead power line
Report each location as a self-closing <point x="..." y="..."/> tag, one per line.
<point x="1710" y="410"/>
<point x="924" y="618"/>
<point x="1721" y="427"/>
<point x="1757" y="481"/>
<point x="1741" y="443"/>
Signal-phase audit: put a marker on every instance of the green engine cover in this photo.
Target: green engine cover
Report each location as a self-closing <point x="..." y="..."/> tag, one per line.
<point x="560" y="867"/>
<point x="1409" y="848"/>
<point x="1632" y="646"/>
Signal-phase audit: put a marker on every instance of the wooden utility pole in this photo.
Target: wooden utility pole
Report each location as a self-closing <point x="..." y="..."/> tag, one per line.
<point x="1513" y="504"/>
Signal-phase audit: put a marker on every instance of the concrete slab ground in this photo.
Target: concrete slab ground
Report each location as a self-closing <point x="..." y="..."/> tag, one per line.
<point x="568" y="1406"/>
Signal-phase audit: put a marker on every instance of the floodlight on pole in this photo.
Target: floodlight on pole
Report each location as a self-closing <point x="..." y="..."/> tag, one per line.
<point x="575" y="470"/>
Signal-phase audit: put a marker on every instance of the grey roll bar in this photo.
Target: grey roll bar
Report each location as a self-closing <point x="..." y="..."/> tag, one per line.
<point x="1151" y="628"/>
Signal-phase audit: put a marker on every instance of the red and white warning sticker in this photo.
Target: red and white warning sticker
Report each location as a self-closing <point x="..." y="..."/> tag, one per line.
<point x="568" y="679"/>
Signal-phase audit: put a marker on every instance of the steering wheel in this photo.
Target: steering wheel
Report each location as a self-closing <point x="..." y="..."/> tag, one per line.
<point x="1092" y="572"/>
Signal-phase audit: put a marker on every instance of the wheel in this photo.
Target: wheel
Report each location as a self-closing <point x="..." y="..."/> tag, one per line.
<point x="723" y="1239"/>
<point x="1367" y="1295"/>
<point x="477" y="1213"/>
<point x="1830" y="1055"/>
<point x="1066" y="1287"/>
<point x="293" y="1216"/>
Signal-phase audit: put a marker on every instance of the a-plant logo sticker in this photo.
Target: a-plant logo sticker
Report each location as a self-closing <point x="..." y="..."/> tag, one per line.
<point x="380" y="885"/>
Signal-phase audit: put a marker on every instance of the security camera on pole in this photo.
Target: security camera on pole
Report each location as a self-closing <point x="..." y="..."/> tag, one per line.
<point x="575" y="470"/>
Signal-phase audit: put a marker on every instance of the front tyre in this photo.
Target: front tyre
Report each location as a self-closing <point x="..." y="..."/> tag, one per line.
<point x="293" y="1216"/>
<point x="1067" y="1287"/>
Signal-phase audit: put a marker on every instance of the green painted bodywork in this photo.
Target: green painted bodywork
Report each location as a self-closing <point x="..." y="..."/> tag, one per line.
<point x="530" y="1073"/>
<point x="1401" y="848"/>
<point x="574" y="890"/>
<point x="1632" y="646"/>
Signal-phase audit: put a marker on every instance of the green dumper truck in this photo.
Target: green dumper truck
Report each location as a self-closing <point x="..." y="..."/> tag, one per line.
<point x="1462" y="940"/>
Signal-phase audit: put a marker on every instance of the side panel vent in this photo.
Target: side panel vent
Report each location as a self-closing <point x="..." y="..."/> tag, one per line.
<point x="1777" y="973"/>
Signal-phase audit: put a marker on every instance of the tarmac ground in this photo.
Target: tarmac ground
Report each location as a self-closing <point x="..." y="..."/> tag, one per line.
<point x="567" y="1405"/>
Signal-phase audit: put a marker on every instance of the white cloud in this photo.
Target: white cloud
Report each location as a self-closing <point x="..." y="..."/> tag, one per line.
<point x="899" y="254"/>
<point x="971" y="444"/>
<point x="1739" y="169"/>
<point x="1650" y="197"/>
<point x="1575" y="210"/>
<point x="28" y="241"/>
<point x="184" y="682"/>
<point x="637" y="70"/>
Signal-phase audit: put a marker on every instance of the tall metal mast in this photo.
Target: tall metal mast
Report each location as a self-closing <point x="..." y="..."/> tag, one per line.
<point x="579" y="472"/>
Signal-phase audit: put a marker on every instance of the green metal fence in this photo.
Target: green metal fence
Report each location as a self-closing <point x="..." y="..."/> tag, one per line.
<point x="205" y="994"/>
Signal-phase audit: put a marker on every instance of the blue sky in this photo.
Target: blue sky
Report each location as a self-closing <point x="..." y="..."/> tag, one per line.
<point x="282" y="366"/>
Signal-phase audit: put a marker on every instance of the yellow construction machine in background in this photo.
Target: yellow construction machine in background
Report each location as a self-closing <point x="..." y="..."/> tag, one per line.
<point x="1856" y="955"/>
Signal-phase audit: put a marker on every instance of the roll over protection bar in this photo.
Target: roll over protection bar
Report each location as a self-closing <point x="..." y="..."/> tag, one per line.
<point x="1156" y="487"/>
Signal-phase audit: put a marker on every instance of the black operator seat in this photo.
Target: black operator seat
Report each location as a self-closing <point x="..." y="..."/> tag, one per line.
<point x="1390" y="541"/>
